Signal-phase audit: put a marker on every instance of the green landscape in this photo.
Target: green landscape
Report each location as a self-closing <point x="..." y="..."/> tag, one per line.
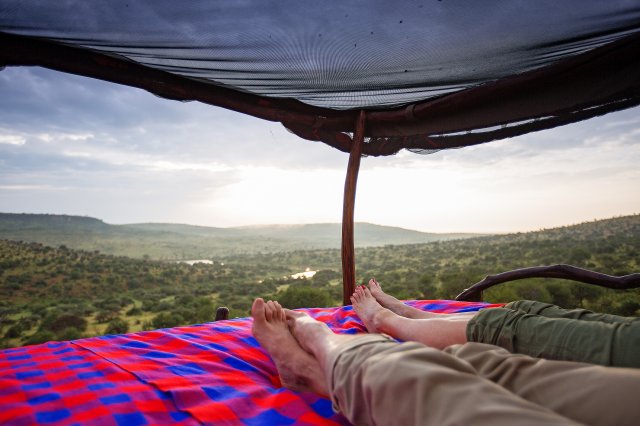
<point x="66" y="277"/>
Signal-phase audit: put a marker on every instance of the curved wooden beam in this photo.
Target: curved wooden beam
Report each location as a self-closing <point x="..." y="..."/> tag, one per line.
<point x="348" y="247"/>
<point x="575" y="88"/>
<point x="567" y="272"/>
<point x="16" y="50"/>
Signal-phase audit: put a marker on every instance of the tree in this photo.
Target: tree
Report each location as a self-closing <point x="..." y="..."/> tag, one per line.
<point x="304" y="297"/>
<point x="117" y="326"/>
<point x="204" y="310"/>
<point x="69" y="333"/>
<point x="64" y="321"/>
<point x="561" y="294"/>
<point x="453" y="282"/>
<point x="106" y="316"/>
<point x="323" y="276"/>
<point x="167" y="319"/>
<point x="40" y="337"/>
<point x="134" y="311"/>
<point x="15" y="331"/>
<point x="427" y="286"/>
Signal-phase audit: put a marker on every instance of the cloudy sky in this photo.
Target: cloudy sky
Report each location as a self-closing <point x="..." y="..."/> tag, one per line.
<point x="73" y="145"/>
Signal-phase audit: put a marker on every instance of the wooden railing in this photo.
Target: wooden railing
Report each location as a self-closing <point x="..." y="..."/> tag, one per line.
<point x="567" y="272"/>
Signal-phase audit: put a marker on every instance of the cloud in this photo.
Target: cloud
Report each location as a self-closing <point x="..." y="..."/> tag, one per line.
<point x="66" y="110"/>
<point x="28" y="187"/>
<point x="12" y="139"/>
<point x="79" y="146"/>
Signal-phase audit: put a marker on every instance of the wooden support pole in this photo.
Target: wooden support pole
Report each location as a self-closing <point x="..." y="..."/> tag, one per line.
<point x="222" y="313"/>
<point x="348" y="207"/>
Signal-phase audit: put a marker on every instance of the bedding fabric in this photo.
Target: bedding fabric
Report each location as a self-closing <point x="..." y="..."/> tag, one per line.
<point x="213" y="373"/>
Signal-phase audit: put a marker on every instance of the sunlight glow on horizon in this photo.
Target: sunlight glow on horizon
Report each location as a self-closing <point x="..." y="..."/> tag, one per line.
<point x="436" y="196"/>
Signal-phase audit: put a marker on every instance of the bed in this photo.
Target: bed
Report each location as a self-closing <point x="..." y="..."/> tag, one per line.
<point x="212" y="373"/>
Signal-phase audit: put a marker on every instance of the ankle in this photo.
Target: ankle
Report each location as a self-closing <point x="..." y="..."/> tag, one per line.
<point x="381" y="319"/>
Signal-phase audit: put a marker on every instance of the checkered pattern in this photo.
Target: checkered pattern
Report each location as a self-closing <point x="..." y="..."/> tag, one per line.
<point x="213" y="373"/>
<point x="61" y="383"/>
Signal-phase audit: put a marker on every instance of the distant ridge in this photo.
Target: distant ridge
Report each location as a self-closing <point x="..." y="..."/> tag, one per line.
<point x="179" y="241"/>
<point x="24" y="221"/>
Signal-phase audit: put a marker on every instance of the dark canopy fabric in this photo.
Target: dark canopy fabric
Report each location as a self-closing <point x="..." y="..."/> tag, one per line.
<point x="431" y="74"/>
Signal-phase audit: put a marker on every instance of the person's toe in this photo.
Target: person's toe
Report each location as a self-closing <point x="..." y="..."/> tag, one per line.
<point x="279" y="311"/>
<point x="293" y="314"/>
<point x="367" y="292"/>
<point x="270" y="310"/>
<point x="257" y="309"/>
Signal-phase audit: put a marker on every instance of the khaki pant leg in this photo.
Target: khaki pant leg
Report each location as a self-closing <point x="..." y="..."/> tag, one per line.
<point x="586" y="393"/>
<point x="374" y="381"/>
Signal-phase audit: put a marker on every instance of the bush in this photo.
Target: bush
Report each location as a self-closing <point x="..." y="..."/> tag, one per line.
<point x="15" y="331"/>
<point x="323" y="277"/>
<point x="167" y="319"/>
<point x="106" y="316"/>
<point x="164" y="305"/>
<point x="134" y="311"/>
<point x="560" y="294"/>
<point x="204" y="310"/>
<point x="304" y="297"/>
<point x="628" y="308"/>
<point x="149" y="305"/>
<point x="117" y="326"/>
<point x="69" y="333"/>
<point x="453" y="282"/>
<point x="40" y="337"/>
<point x="63" y="322"/>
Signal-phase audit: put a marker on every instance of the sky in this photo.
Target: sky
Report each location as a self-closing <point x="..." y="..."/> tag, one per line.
<point x="79" y="146"/>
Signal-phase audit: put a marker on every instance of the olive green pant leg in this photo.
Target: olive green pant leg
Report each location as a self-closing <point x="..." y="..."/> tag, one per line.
<point x="586" y="393"/>
<point x="552" y="311"/>
<point x="596" y="342"/>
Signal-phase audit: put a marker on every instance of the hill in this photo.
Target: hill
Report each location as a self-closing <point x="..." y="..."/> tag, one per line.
<point x="178" y="242"/>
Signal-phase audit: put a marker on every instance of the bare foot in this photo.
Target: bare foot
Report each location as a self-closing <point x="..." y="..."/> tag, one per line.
<point x="314" y="336"/>
<point x="305" y="329"/>
<point x="394" y="304"/>
<point x="383" y="298"/>
<point x="298" y="370"/>
<point x="368" y="309"/>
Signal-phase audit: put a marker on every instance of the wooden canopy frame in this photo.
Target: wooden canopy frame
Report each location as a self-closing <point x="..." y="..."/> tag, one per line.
<point x="593" y="83"/>
<point x="566" y="272"/>
<point x="599" y="81"/>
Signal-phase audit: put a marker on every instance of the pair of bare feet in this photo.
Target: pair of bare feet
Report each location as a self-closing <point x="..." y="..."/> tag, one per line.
<point x="375" y="307"/>
<point x="383" y="313"/>
<point x="300" y="346"/>
<point x="295" y="342"/>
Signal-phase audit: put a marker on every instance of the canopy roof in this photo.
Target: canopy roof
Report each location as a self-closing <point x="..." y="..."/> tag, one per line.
<point x="366" y="77"/>
<point x="431" y="74"/>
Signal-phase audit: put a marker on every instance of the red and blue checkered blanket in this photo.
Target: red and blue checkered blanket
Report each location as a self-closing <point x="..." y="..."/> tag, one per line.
<point x="214" y="373"/>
